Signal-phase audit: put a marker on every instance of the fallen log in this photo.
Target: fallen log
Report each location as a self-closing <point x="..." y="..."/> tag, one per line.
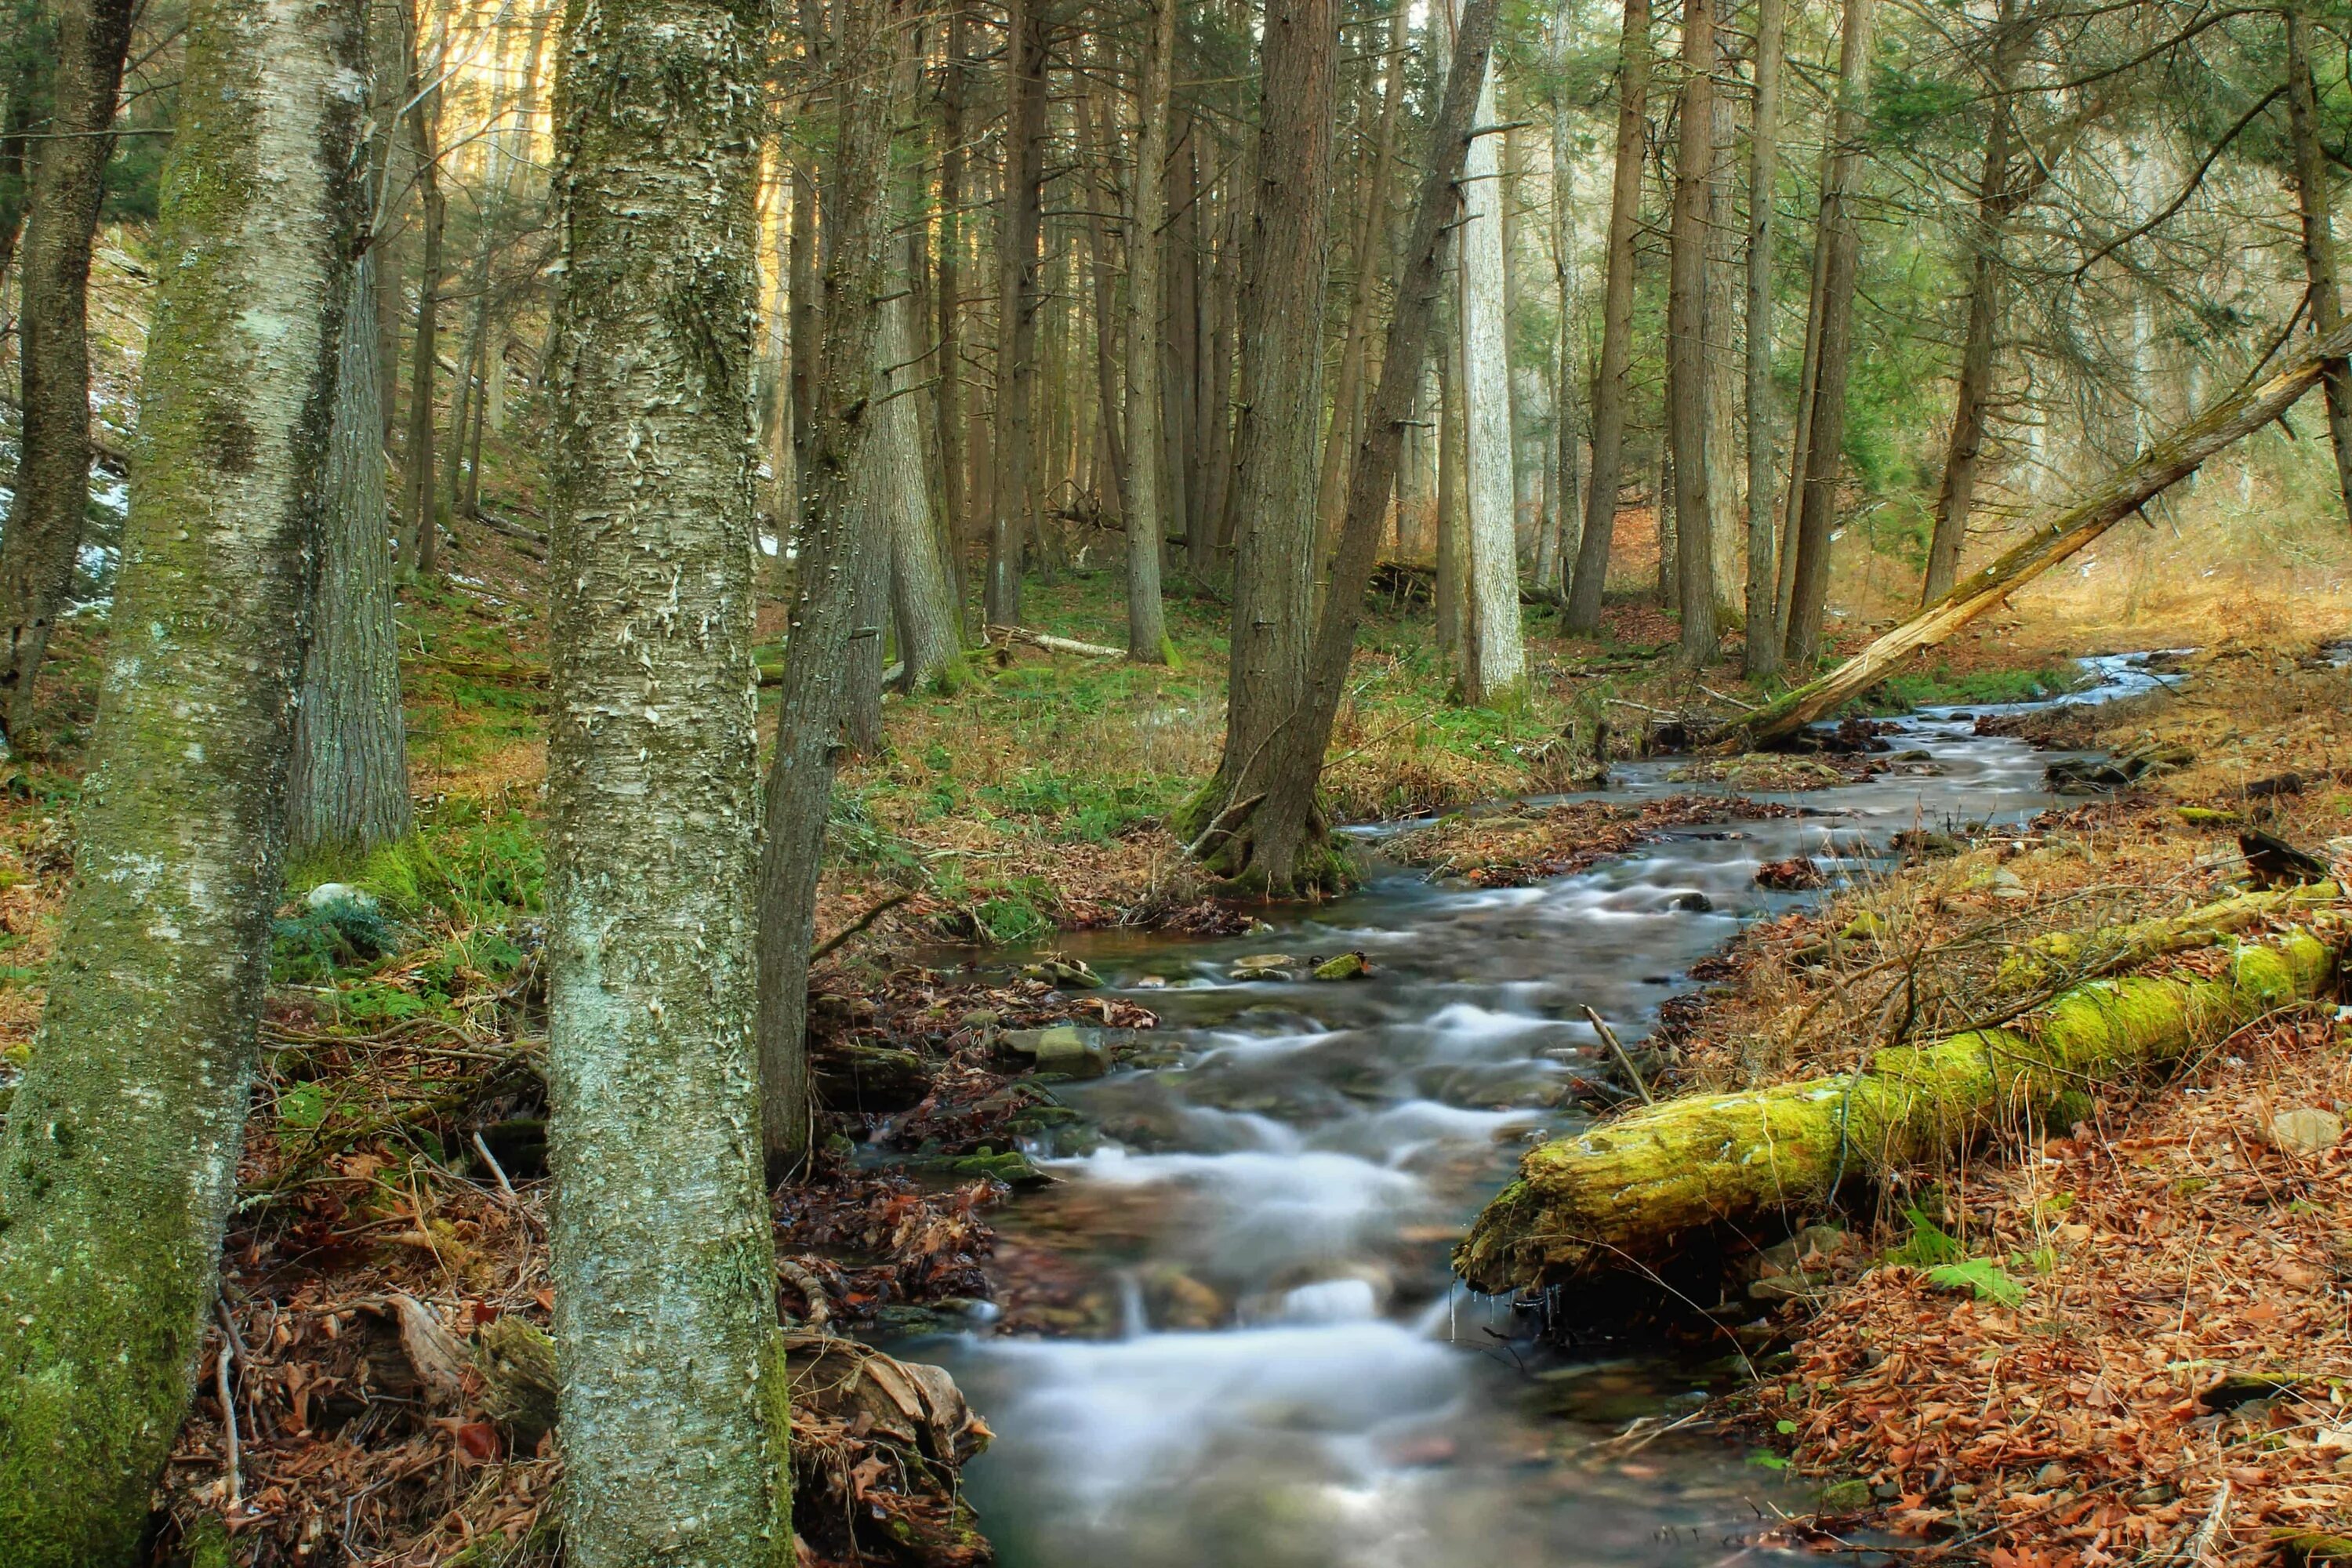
<point x="2063" y="534"/>
<point x="1052" y="644"/>
<point x="2084" y="955"/>
<point x="1630" y="1193"/>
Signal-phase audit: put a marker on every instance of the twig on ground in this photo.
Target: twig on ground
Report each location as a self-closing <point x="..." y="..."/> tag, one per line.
<point x="1608" y="1037"/>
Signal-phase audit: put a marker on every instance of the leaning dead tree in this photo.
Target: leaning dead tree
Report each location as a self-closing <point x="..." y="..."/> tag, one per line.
<point x="2107" y="502"/>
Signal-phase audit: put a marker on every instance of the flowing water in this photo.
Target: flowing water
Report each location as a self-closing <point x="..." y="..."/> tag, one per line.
<point x="1268" y="1365"/>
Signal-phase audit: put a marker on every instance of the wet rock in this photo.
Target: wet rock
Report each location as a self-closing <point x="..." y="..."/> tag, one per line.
<point x="1918" y="844"/>
<point x="1848" y="1496"/>
<point x="2306" y="1132"/>
<point x="1059" y="971"/>
<point x="1011" y="1167"/>
<point x="1263" y="966"/>
<point x="1693" y="903"/>
<point x="1177" y="1301"/>
<point x="1797" y="871"/>
<point x="853" y="1076"/>
<point x="1065" y="1049"/>
<point x="1346" y="966"/>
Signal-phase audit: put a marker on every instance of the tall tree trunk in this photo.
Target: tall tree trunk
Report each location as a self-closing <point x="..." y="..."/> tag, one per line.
<point x="419" y="530"/>
<point x="1369" y="250"/>
<point x="949" y="399"/>
<point x="1958" y="495"/>
<point x="673" y="1396"/>
<point x="119" y="1159"/>
<point x="1493" y="663"/>
<point x="1282" y="840"/>
<point x="1282" y="302"/>
<point x="863" y="84"/>
<point x="1591" y="574"/>
<point x="1723" y="369"/>
<point x="350" y="784"/>
<point x="1013" y="514"/>
<point x="861" y="704"/>
<point x="922" y="587"/>
<point x="88" y="39"/>
<point x="1099" y="145"/>
<point x="1841" y="244"/>
<point x="1762" y="655"/>
<point x="1446" y="521"/>
<point x="2317" y="209"/>
<point x="1568" y="365"/>
<point x="1178" y="416"/>
<point x="1689" y="388"/>
<point x="26" y="65"/>
<point x="1148" y="513"/>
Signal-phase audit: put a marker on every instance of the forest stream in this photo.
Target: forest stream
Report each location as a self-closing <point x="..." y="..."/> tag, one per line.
<point x="1261" y="1220"/>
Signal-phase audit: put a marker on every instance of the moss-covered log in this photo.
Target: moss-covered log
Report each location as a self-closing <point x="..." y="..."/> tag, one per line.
<point x="1627" y="1194"/>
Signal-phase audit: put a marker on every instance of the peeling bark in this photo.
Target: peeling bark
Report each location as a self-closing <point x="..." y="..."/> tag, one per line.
<point x="672" y="1393"/>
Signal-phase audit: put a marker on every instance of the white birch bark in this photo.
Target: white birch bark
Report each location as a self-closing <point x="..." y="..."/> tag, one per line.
<point x="1493" y="664"/>
<point x="672" y="1393"/>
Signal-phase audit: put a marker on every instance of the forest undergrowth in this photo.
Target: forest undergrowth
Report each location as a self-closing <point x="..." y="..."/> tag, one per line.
<point x="369" y="1393"/>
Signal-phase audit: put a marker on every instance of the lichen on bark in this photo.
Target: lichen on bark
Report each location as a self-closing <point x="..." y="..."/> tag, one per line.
<point x="120" y="1154"/>
<point x="663" y="1260"/>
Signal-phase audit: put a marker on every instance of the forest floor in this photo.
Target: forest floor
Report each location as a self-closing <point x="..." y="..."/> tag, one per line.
<point x="2121" y="1339"/>
<point x="394" y="1192"/>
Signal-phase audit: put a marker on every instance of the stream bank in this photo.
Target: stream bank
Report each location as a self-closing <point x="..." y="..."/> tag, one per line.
<point x="1224" y="1331"/>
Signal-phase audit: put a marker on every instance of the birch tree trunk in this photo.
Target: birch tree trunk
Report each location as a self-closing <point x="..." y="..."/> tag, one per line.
<point x="1591" y="574"/>
<point x="87" y="43"/>
<point x="1762" y="655"/>
<point x="2316" y="208"/>
<point x="1148" y="513"/>
<point x="864" y="85"/>
<point x="1841" y="245"/>
<point x="1689" y="390"/>
<point x="672" y="1395"/>
<point x="1282" y="302"/>
<point x="1493" y="664"/>
<point x="119" y="1159"/>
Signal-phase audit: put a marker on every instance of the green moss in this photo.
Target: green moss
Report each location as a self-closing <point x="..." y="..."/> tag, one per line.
<point x="1629" y="1188"/>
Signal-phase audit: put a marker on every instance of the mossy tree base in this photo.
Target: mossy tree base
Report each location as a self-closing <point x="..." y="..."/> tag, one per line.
<point x="1628" y="1194"/>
